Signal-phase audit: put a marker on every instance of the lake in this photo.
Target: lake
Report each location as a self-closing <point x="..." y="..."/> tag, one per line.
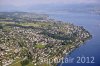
<point x="91" y="48"/>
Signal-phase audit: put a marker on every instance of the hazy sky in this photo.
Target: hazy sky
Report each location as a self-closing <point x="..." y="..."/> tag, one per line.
<point x="20" y="3"/>
<point x="30" y="5"/>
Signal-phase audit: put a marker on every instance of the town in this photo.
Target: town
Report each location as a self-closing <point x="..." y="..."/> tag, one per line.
<point x="27" y="38"/>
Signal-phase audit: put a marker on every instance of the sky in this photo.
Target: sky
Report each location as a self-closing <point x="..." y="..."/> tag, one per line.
<point x="20" y="3"/>
<point x="8" y="5"/>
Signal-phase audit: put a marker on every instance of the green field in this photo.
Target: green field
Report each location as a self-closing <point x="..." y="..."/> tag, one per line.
<point x="40" y="46"/>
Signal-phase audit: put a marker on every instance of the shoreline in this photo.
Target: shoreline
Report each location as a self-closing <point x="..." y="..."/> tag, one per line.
<point x="68" y="54"/>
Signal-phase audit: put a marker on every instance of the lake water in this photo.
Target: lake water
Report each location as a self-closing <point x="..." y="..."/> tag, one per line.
<point x="91" y="48"/>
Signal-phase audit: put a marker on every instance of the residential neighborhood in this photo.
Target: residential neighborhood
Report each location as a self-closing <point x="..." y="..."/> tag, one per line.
<point x="37" y="40"/>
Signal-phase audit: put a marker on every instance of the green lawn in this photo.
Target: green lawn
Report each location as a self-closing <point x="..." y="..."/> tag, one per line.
<point x="30" y="64"/>
<point x="16" y="62"/>
<point x="40" y="46"/>
<point x="29" y="24"/>
<point x="7" y="23"/>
